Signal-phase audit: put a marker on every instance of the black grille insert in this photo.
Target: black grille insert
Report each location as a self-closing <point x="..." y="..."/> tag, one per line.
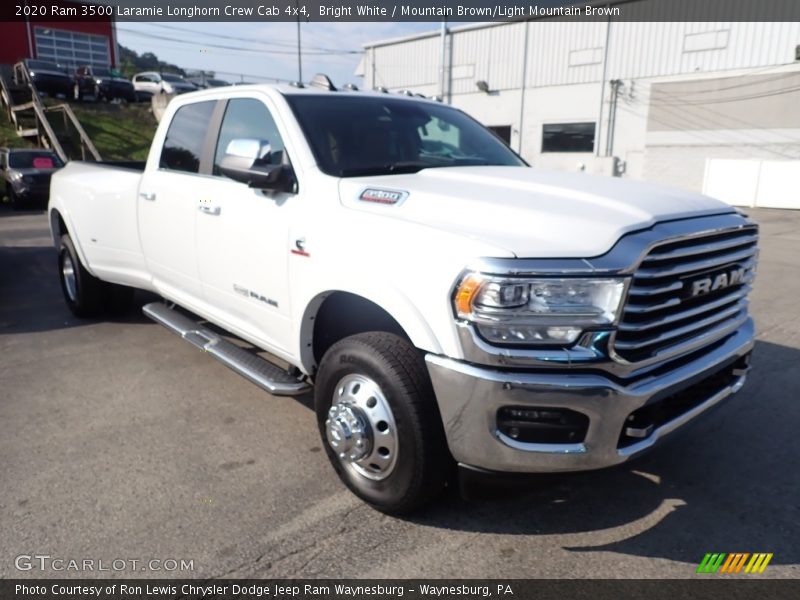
<point x="652" y="416"/>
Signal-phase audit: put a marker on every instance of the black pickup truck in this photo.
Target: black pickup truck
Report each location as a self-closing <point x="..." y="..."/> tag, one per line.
<point x="101" y="83"/>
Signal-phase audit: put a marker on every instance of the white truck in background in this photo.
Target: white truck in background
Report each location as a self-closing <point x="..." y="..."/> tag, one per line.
<point x="446" y="301"/>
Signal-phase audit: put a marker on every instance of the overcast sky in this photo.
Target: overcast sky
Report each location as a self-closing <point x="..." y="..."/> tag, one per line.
<point x="262" y="50"/>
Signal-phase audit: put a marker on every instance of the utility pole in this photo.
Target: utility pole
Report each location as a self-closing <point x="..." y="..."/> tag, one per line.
<point x="443" y="73"/>
<point x="299" y="49"/>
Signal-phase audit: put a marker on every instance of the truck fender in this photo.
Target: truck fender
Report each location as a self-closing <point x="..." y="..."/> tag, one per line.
<point x="391" y="300"/>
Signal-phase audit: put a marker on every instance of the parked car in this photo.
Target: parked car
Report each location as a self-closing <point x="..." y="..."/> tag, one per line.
<point x="26" y="173"/>
<point x="448" y="306"/>
<point x="49" y="78"/>
<point x="102" y="84"/>
<point x="205" y="83"/>
<point x="148" y="83"/>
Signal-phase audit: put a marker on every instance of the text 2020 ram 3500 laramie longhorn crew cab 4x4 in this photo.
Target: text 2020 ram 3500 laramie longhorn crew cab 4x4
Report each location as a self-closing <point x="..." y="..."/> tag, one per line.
<point x="447" y="301"/>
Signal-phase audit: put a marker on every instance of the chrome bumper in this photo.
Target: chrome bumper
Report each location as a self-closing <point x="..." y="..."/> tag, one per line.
<point x="470" y="396"/>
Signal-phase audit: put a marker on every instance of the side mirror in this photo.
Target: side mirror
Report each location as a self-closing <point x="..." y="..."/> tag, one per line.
<point x="247" y="160"/>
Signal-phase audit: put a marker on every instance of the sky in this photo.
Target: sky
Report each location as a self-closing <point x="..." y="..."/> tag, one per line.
<point x="255" y="52"/>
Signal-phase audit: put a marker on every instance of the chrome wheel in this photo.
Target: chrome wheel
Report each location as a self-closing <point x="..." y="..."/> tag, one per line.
<point x="360" y="428"/>
<point x="68" y="273"/>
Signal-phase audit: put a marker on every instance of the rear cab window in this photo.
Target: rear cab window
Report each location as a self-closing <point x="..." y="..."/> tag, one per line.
<point x="185" y="141"/>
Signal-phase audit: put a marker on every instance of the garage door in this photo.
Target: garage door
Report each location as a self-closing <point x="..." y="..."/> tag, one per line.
<point x="72" y="49"/>
<point x="762" y="183"/>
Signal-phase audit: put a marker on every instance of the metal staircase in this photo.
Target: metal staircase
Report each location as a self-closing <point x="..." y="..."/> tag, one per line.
<point x="49" y="126"/>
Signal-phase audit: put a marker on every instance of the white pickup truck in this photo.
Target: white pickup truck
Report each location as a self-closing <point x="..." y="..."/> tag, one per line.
<point x="449" y="303"/>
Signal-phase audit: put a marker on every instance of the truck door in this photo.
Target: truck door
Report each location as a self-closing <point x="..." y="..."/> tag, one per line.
<point x="242" y="235"/>
<point x="167" y="203"/>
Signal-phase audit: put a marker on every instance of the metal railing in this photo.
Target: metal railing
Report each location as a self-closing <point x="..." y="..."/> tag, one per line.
<point x="29" y="116"/>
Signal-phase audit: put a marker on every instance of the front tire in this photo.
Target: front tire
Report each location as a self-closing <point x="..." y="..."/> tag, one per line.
<point x="379" y="422"/>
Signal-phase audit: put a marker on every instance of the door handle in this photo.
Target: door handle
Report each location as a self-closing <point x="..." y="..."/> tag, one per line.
<point x="209" y="210"/>
<point x="147" y="196"/>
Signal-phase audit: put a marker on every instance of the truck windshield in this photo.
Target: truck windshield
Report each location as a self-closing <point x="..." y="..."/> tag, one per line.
<point x="43" y="65"/>
<point x="352" y="135"/>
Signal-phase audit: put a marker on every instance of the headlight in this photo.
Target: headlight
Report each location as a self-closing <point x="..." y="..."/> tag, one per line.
<point x="537" y="311"/>
<point x="14" y="176"/>
<point x="98" y="81"/>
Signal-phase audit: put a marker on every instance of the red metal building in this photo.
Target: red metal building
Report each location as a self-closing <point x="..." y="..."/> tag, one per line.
<point x="69" y="42"/>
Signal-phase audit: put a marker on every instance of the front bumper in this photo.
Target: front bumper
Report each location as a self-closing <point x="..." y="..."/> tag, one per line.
<point x="32" y="191"/>
<point x="470" y="396"/>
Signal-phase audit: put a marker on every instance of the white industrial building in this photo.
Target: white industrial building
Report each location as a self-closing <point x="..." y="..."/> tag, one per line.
<point x="707" y="106"/>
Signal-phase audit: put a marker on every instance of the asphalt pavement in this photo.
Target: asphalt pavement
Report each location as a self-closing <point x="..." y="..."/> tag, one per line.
<point x="119" y="441"/>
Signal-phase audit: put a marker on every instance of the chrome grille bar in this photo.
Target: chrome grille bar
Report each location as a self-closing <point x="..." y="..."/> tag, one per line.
<point x="656" y="272"/>
<point x="702" y="249"/>
<point x="734" y="296"/>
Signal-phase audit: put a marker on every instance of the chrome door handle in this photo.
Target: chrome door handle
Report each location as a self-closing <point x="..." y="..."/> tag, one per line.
<point x="145" y="196"/>
<point x="209" y="210"/>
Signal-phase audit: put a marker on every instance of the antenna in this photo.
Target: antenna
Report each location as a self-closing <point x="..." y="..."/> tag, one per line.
<point x="322" y="82"/>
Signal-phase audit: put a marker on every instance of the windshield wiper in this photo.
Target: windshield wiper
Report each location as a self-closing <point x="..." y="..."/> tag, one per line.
<point x="397" y="168"/>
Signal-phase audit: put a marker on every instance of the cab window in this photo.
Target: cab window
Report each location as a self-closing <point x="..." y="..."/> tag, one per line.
<point x="248" y="118"/>
<point x="186" y="137"/>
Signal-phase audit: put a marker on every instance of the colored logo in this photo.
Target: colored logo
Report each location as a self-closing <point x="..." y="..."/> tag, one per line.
<point x="383" y="196"/>
<point x="738" y="562"/>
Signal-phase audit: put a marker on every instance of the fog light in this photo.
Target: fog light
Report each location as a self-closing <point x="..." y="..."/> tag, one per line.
<point x="542" y="425"/>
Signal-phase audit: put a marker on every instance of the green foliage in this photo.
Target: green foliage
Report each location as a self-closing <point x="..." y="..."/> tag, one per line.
<point x="131" y="63"/>
<point x="119" y="131"/>
<point x="8" y="137"/>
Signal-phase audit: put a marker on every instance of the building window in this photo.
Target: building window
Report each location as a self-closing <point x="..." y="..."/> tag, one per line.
<point x="568" y="137"/>
<point x="502" y="131"/>
<point x="72" y="49"/>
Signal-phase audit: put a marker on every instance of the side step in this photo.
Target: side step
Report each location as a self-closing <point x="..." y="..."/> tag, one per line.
<point x="261" y="372"/>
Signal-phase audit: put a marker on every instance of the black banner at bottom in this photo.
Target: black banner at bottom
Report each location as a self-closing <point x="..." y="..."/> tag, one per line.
<point x="722" y="588"/>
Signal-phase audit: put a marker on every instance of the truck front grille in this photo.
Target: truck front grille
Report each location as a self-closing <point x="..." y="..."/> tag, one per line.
<point x="687" y="293"/>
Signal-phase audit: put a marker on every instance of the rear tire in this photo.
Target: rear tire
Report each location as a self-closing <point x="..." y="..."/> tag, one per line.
<point x="375" y="403"/>
<point x="83" y="292"/>
<point x="14" y="200"/>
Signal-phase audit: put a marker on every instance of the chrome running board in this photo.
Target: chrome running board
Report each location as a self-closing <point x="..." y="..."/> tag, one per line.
<point x="263" y="373"/>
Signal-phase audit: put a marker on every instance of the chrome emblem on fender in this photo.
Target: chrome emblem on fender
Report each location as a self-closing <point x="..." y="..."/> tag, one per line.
<point x="382" y="196"/>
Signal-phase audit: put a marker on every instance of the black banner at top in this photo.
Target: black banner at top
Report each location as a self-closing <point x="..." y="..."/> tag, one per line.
<point x="399" y="10"/>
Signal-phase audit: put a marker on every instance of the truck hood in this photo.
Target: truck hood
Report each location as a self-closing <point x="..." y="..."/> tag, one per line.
<point x="525" y="211"/>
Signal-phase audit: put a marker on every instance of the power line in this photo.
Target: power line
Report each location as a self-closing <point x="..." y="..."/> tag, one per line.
<point x="211" y="45"/>
<point x="280" y="43"/>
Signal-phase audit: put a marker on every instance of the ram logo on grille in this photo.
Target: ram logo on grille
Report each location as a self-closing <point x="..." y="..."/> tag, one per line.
<point x="718" y="282"/>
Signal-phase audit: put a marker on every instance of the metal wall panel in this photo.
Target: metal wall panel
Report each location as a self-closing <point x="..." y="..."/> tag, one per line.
<point x="490" y="54"/>
<point x="408" y="64"/>
<point x="572" y="52"/>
